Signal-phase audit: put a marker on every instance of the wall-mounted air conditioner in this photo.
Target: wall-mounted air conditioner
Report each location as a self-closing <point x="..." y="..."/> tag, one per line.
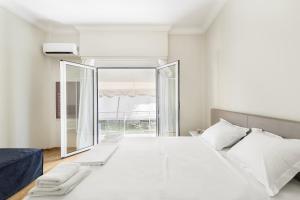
<point x="60" y="49"/>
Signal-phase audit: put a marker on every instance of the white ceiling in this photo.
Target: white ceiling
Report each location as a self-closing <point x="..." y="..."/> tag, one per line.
<point x="181" y="14"/>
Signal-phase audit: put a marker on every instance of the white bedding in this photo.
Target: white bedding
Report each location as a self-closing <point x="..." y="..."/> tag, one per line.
<point x="181" y="168"/>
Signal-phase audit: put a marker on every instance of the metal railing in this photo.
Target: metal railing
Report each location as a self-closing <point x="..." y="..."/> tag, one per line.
<point x="134" y="122"/>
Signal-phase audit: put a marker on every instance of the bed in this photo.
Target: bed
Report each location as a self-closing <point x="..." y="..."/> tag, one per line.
<point x="179" y="168"/>
<point x="18" y="168"/>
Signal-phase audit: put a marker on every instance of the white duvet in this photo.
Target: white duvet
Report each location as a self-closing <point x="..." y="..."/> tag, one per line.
<point x="160" y="168"/>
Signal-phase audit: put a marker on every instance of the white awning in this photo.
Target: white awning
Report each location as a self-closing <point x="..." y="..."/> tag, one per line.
<point x="131" y="89"/>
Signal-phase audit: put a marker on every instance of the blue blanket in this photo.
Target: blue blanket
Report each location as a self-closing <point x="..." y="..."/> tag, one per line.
<point x="18" y="168"/>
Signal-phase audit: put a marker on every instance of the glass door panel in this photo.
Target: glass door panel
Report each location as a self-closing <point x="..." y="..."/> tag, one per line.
<point x="168" y="99"/>
<point x="126" y="102"/>
<point x="77" y="107"/>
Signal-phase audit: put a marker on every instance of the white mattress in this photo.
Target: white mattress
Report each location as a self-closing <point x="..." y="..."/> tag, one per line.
<point x="160" y="168"/>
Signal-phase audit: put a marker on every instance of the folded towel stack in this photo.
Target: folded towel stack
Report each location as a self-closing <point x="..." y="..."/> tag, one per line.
<point x="99" y="155"/>
<point x="60" y="181"/>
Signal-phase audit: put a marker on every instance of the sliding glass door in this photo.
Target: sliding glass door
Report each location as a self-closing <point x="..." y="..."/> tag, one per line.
<point x="78" y="102"/>
<point x="168" y="99"/>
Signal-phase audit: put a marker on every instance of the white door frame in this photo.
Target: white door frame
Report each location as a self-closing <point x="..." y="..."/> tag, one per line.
<point x="177" y="100"/>
<point x="63" y="97"/>
<point x="63" y="109"/>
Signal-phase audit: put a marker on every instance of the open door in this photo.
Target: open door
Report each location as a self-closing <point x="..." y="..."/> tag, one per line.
<point x="78" y="102"/>
<point x="168" y="102"/>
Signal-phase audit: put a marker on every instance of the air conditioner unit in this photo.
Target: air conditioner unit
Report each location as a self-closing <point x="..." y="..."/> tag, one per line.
<point x="60" y="49"/>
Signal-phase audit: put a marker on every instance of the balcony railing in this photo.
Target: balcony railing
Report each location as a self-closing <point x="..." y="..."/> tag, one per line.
<point x="135" y="122"/>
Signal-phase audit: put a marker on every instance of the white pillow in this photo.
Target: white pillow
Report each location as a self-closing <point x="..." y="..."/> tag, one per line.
<point x="272" y="160"/>
<point x="223" y="134"/>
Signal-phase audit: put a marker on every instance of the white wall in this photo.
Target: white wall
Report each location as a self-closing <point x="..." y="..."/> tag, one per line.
<point x="253" y="58"/>
<point x="189" y="49"/>
<point x="124" y="41"/>
<point x="53" y="76"/>
<point x="57" y="36"/>
<point x="25" y="84"/>
<point x="3" y="82"/>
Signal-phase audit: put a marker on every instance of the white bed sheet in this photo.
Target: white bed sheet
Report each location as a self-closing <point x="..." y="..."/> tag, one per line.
<point x="160" y="168"/>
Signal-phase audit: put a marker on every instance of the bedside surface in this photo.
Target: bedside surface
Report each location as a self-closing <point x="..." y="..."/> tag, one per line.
<point x="195" y="133"/>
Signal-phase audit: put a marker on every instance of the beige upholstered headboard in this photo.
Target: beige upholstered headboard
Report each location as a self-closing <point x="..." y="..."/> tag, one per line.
<point x="285" y="128"/>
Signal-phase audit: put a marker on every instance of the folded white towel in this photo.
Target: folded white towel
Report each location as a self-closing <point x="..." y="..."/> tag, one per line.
<point x="64" y="188"/>
<point x="58" y="175"/>
<point x="112" y="138"/>
<point x="99" y="155"/>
